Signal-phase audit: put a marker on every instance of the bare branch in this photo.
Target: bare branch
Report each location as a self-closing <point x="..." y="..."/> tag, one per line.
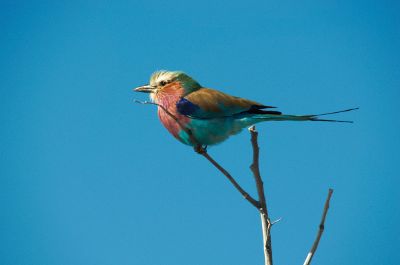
<point x="320" y="230"/>
<point x="261" y="203"/>
<point x="265" y="221"/>
<point x="256" y="169"/>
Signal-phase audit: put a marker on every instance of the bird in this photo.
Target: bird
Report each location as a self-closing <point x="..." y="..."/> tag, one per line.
<point x="198" y="116"/>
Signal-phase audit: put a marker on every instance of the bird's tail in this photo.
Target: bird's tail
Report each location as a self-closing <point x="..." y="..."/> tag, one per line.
<point x="313" y="117"/>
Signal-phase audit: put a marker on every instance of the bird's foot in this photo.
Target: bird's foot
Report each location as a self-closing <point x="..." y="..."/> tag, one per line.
<point x="200" y="149"/>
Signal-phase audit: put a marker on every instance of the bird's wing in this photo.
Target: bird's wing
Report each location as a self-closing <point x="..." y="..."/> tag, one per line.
<point x="207" y="103"/>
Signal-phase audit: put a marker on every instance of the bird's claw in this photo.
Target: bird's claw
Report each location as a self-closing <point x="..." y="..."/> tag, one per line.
<point x="200" y="149"/>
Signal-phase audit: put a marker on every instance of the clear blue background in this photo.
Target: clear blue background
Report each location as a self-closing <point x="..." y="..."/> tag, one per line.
<point x="89" y="177"/>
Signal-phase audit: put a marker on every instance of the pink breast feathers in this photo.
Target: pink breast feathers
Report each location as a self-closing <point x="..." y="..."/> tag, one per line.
<point x="168" y="98"/>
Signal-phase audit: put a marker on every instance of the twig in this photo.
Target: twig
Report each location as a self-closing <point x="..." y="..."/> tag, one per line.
<point x="276" y="221"/>
<point x="247" y="196"/>
<point x="199" y="149"/>
<point x="320" y="230"/>
<point x="265" y="221"/>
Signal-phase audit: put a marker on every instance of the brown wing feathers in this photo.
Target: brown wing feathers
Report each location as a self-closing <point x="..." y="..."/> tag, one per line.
<point x="210" y="100"/>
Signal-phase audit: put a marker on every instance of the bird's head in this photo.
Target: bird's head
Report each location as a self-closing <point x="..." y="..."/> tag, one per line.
<point x="169" y="83"/>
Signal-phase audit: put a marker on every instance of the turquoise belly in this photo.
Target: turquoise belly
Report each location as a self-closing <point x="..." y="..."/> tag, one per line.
<point x="213" y="131"/>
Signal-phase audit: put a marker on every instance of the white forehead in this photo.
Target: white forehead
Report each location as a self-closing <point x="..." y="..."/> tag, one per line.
<point x="163" y="75"/>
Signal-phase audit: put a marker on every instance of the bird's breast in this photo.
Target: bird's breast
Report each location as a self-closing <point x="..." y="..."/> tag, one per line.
<point x="168" y="118"/>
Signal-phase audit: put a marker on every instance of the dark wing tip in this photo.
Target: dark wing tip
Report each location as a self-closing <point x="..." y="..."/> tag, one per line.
<point x="263" y="107"/>
<point x="258" y="109"/>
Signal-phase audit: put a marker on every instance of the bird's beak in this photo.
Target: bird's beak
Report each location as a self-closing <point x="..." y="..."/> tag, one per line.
<point x="145" y="89"/>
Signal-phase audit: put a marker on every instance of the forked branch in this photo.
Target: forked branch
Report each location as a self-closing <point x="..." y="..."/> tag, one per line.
<point x="261" y="203"/>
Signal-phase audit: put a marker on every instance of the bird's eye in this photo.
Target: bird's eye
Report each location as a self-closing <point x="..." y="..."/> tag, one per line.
<point x="163" y="83"/>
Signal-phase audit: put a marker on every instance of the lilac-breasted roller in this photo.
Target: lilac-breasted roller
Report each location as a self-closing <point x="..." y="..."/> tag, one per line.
<point x="210" y="115"/>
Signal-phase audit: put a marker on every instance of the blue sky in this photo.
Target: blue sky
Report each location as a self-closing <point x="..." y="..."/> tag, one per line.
<point x="89" y="177"/>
